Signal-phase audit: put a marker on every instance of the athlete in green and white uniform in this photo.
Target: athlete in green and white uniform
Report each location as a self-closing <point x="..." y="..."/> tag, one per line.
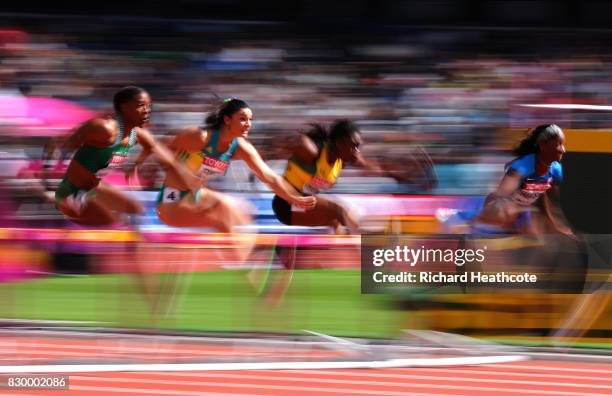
<point x="102" y="144"/>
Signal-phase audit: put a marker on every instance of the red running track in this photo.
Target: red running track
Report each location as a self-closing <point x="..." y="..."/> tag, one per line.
<point x="533" y="378"/>
<point x="536" y="377"/>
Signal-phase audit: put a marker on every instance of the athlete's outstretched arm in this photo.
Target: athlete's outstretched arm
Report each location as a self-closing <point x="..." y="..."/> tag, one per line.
<point x="96" y="132"/>
<point x="279" y="185"/>
<point x="508" y="184"/>
<point x="374" y="167"/>
<point x="498" y="208"/>
<point x="414" y="170"/>
<point x="165" y="158"/>
<point x="552" y="208"/>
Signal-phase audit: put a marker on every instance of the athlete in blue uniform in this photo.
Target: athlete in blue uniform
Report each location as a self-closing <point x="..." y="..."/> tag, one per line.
<point x="530" y="183"/>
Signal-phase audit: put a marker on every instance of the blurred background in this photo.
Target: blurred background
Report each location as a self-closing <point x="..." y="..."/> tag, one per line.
<point x="454" y="79"/>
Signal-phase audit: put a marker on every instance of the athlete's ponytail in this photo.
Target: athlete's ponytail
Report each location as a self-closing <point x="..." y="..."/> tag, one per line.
<point x="318" y="134"/>
<point x="224" y="108"/>
<point x="541" y="133"/>
<point x="338" y="130"/>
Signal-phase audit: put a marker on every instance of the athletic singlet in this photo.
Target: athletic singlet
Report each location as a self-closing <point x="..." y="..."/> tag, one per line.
<point x="314" y="178"/>
<point x="533" y="186"/>
<point x="96" y="159"/>
<point x="208" y="161"/>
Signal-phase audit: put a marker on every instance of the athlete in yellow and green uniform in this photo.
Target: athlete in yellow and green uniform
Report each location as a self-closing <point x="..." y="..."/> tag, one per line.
<point x="316" y="162"/>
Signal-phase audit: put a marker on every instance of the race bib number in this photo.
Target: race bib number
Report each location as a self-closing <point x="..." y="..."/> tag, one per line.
<point x="171" y="195"/>
<point x="295" y="208"/>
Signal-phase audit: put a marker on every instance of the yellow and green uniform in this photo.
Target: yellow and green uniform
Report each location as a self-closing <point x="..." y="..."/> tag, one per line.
<point x="307" y="179"/>
<point x="208" y="161"/>
<point x="312" y="179"/>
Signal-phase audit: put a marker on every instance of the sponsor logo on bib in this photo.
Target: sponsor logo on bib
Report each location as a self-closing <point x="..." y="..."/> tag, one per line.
<point x="317" y="184"/>
<point x="536" y="186"/>
<point x="214" y="165"/>
<point x="530" y="191"/>
<point x="117" y="160"/>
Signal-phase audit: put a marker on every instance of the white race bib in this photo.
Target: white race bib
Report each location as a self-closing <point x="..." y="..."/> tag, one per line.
<point x="171" y="195"/>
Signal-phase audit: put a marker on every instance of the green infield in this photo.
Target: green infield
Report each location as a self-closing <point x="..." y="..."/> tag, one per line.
<point x="328" y="301"/>
<point x="321" y="300"/>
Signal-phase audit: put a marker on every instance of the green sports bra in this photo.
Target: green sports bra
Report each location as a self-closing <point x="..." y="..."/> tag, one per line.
<point x="96" y="158"/>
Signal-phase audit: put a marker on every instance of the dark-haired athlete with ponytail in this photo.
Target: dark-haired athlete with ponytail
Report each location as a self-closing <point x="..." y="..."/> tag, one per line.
<point x="317" y="159"/>
<point x="207" y="151"/>
<point x="531" y="181"/>
<point x="102" y="144"/>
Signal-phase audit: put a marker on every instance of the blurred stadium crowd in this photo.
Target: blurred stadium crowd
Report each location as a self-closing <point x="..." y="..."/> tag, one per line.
<point x="457" y="92"/>
<point x="453" y="91"/>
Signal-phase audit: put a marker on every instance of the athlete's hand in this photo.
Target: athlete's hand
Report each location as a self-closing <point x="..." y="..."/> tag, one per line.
<point x="131" y="174"/>
<point x="565" y="230"/>
<point x="306" y="203"/>
<point x="131" y="177"/>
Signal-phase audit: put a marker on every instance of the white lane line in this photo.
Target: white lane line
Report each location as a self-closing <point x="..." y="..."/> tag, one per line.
<point x="149" y="354"/>
<point x="202" y="350"/>
<point x="145" y="340"/>
<point x="420" y="362"/>
<point x="568" y="106"/>
<point x="49" y="348"/>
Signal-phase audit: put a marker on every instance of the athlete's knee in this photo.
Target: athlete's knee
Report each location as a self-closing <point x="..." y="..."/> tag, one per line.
<point x="162" y="214"/>
<point x="225" y="225"/>
<point x="99" y="219"/>
<point x="343" y="215"/>
<point x="233" y="214"/>
<point x="238" y="219"/>
<point x="242" y="218"/>
<point x="67" y="210"/>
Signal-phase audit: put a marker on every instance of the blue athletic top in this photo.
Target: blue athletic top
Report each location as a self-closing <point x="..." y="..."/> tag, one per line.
<point x="533" y="186"/>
